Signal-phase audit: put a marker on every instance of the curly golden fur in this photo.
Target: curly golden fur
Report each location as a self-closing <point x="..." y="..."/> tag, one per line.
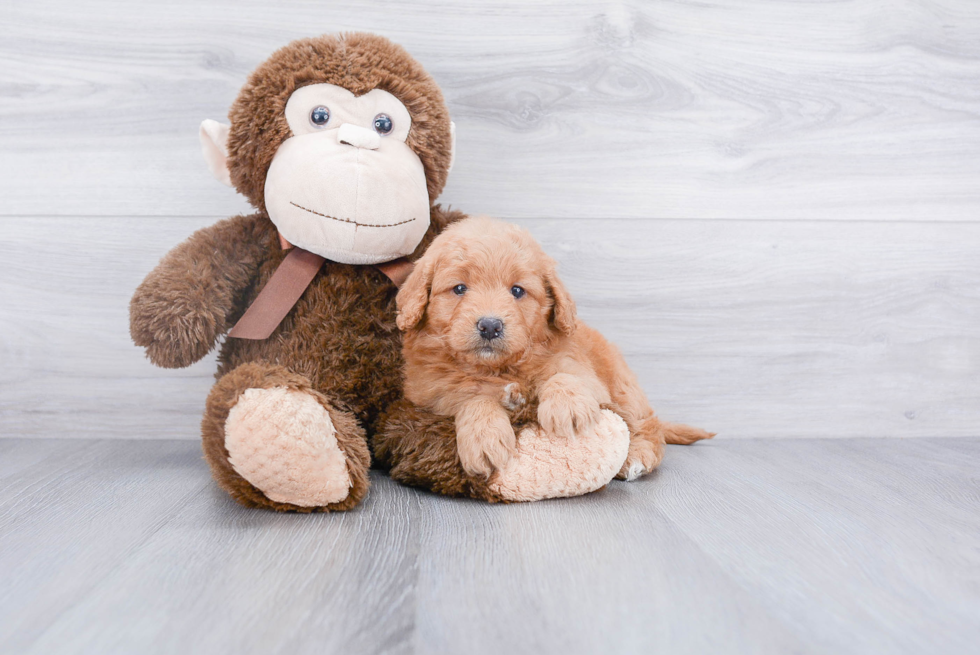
<point x="489" y="326"/>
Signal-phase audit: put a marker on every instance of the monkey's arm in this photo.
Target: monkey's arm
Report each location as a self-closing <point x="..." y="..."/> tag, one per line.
<point x="182" y="306"/>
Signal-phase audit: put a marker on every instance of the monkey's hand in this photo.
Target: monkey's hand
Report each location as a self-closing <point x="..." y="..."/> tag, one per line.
<point x="182" y="306"/>
<point x="568" y="406"/>
<point x="484" y="437"/>
<point x="177" y="328"/>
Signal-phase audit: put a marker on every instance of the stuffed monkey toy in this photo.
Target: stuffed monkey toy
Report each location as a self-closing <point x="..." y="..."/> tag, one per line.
<point x="341" y="143"/>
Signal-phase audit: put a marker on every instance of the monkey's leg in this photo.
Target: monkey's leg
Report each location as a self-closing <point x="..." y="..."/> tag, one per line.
<point x="419" y="448"/>
<point x="273" y="441"/>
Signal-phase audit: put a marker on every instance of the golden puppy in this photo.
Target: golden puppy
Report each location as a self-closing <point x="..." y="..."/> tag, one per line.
<point x="489" y="326"/>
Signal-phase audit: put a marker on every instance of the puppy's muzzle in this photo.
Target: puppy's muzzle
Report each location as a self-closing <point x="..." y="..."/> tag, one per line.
<point x="490" y="328"/>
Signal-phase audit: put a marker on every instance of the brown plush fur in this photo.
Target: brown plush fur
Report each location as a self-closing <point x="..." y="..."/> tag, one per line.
<point x="359" y="63"/>
<point x="471" y="272"/>
<point x="418" y="448"/>
<point x="340" y="341"/>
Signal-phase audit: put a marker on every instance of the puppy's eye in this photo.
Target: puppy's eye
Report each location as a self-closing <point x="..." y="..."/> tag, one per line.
<point x="517" y="292"/>
<point x="459" y="289"/>
<point x="382" y="124"/>
<point x="320" y="116"/>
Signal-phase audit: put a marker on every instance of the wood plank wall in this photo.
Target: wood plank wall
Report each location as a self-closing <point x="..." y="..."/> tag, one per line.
<point x="773" y="207"/>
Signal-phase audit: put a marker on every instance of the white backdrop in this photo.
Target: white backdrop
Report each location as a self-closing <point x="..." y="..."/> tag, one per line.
<point x="773" y="208"/>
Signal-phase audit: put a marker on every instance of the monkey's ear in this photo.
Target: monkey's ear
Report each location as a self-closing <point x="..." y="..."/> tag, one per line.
<point x="214" y="144"/>
<point x="413" y="297"/>
<point x="452" y="146"/>
<point x="563" y="315"/>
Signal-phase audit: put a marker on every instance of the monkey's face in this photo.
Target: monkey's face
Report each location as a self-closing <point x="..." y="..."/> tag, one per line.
<point x="344" y="141"/>
<point x="345" y="185"/>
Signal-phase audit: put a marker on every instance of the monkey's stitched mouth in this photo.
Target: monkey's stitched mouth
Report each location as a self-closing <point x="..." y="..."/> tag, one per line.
<point x="347" y="220"/>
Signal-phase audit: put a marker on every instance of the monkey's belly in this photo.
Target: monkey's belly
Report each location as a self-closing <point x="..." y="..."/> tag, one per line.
<point x="341" y="336"/>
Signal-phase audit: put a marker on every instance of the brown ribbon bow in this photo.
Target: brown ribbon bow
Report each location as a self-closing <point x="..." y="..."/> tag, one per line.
<point x="287" y="284"/>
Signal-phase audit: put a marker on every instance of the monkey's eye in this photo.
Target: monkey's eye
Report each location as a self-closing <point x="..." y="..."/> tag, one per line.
<point x="320" y="116"/>
<point x="517" y="292"/>
<point x="459" y="289"/>
<point x="382" y="124"/>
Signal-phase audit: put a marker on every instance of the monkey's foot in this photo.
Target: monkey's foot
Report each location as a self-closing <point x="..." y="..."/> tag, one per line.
<point x="283" y="442"/>
<point x="548" y="466"/>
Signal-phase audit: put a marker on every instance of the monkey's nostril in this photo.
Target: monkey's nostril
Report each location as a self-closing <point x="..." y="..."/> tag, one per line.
<point x="490" y="327"/>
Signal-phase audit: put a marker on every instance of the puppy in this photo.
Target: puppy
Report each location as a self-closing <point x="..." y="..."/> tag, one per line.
<point x="489" y="327"/>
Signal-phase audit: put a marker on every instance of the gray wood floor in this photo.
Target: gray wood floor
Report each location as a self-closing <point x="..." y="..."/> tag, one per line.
<point x="747" y="546"/>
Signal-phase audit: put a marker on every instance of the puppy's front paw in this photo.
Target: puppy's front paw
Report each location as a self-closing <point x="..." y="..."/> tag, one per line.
<point x="484" y="443"/>
<point x="566" y="407"/>
<point x="513" y="398"/>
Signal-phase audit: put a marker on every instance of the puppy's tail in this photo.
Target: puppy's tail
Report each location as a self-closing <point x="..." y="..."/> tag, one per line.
<point x="684" y="435"/>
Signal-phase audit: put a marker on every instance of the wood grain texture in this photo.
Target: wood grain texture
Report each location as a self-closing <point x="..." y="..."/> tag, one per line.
<point x="136" y="533"/>
<point x="582" y="108"/>
<point x="838" y="520"/>
<point x="791" y="329"/>
<point x="752" y="546"/>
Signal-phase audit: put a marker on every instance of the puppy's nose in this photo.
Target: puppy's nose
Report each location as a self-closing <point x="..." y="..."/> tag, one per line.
<point x="490" y="328"/>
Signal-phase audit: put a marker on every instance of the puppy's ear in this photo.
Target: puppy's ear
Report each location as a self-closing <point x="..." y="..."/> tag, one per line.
<point x="413" y="297"/>
<point x="563" y="307"/>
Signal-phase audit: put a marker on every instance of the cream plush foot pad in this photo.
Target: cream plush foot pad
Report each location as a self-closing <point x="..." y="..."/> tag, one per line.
<point x="284" y="443"/>
<point x="546" y="466"/>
